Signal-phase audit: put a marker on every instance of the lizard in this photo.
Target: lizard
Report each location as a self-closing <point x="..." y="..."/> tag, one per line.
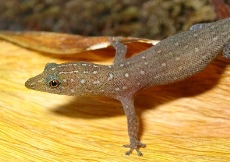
<point x="172" y="59"/>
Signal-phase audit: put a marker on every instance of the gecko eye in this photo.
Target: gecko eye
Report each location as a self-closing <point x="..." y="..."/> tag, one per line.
<point x="54" y="83"/>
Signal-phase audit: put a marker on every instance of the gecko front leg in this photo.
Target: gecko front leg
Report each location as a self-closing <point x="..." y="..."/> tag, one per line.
<point x="120" y="48"/>
<point x="127" y="103"/>
<point x="135" y="144"/>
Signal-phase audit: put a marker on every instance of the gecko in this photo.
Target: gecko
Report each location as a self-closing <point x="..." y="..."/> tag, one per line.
<point x="172" y="59"/>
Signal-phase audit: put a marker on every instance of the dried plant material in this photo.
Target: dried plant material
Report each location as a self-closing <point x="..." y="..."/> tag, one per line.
<point x="57" y="43"/>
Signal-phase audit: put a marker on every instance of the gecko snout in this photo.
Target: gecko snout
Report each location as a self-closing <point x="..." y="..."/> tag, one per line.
<point x="30" y="84"/>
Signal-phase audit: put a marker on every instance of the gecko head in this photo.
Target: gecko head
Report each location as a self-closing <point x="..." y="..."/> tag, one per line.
<point x="47" y="81"/>
<point x="64" y="79"/>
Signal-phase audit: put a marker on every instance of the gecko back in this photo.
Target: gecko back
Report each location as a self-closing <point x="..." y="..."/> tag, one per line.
<point x="183" y="54"/>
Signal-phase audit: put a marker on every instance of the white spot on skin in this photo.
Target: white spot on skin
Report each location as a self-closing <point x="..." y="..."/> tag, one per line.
<point x="142" y="72"/>
<point x="76" y="71"/>
<point x="128" y="63"/>
<point x="82" y="81"/>
<point x="185" y="47"/>
<point x="94" y="72"/>
<point x="39" y="81"/>
<point x="72" y="90"/>
<point x="124" y="87"/>
<point x="121" y="65"/>
<point x="64" y="80"/>
<point x="196" y="49"/>
<point x="175" y="78"/>
<point x="146" y="63"/>
<point x="88" y="91"/>
<point x="195" y="35"/>
<point x="176" y="44"/>
<point x="62" y="65"/>
<point x="83" y="64"/>
<point x="126" y="75"/>
<point x="117" y="89"/>
<point x="96" y="82"/>
<point x="85" y="72"/>
<point x="95" y="66"/>
<point x="157" y="76"/>
<point x="180" y="68"/>
<point x="71" y="80"/>
<point x="110" y="76"/>
<point x="159" y="51"/>
<point x="143" y="57"/>
<point x="53" y="68"/>
<point x="224" y="33"/>
<point x="67" y="72"/>
<point x="110" y="66"/>
<point x="177" y="59"/>
<point x="203" y="57"/>
<point x="163" y="64"/>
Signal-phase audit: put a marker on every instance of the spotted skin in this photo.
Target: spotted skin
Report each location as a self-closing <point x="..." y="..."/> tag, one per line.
<point x="173" y="59"/>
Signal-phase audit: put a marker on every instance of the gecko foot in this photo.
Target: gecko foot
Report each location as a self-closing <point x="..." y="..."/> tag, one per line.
<point x="120" y="48"/>
<point x="136" y="147"/>
<point x="116" y="43"/>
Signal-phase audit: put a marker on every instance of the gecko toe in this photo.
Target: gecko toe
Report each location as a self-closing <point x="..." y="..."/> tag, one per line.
<point x="134" y="147"/>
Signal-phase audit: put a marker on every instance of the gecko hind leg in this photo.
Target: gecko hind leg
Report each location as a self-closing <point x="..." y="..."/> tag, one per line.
<point x="136" y="147"/>
<point x="226" y="50"/>
<point x="135" y="144"/>
<point x="120" y="48"/>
